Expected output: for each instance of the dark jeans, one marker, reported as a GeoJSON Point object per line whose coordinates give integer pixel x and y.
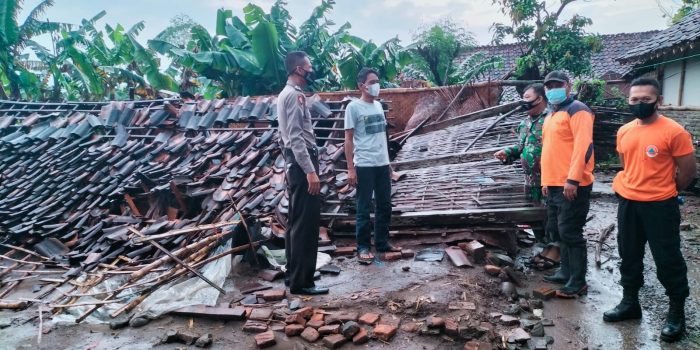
{"type": "Point", "coordinates": [304, 219]}
{"type": "Point", "coordinates": [565, 219]}
{"type": "Point", "coordinates": [659, 224]}
{"type": "Point", "coordinates": [377, 181]}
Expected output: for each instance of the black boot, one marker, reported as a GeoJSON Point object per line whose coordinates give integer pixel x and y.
{"type": "Point", "coordinates": [627, 309]}
{"type": "Point", "coordinates": [578, 265]}
{"type": "Point", "coordinates": [562, 275]}
{"type": "Point", "coordinates": [675, 321]}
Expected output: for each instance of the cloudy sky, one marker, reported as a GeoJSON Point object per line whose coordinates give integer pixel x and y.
{"type": "Point", "coordinates": [376, 20]}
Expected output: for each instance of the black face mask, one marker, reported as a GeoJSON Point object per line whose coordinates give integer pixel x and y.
{"type": "Point", "coordinates": [643, 110]}
{"type": "Point", "coordinates": [528, 105]}
{"type": "Point", "coordinates": [308, 76]}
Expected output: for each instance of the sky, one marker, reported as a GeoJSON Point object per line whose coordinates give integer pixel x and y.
{"type": "Point", "coordinates": [375, 20]}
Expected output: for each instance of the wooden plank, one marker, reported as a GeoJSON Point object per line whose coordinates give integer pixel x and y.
{"type": "Point", "coordinates": [220, 312]}
{"type": "Point", "coordinates": [468, 117]}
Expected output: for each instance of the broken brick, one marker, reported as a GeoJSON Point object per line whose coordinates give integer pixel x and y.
{"type": "Point", "coordinates": [349, 329]}
{"type": "Point", "coordinates": [260, 314]}
{"type": "Point", "coordinates": [330, 329]}
{"type": "Point", "coordinates": [462, 305]}
{"type": "Point", "coordinates": [451, 327]}
{"type": "Point", "coordinates": [410, 327]}
{"type": "Point", "coordinates": [315, 324]}
{"type": "Point", "coordinates": [272, 295]}
{"type": "Point", "coordinates": [384, 332]}
{"type": "Point", "coordinates": [295, 318]}
{"type": "Point", "coordinates": [318, 315]}
{"type": "Point", "coordinates": [408, 253]}
{"type": "Point", "coordinates": [391, 256]}
{"type": "Point", "coordinates": [254, 327]}
{"type": "Point", "coordinates": [435, 322]}
{"type": "Point", "coordinates": [518, 335]}
{"type": "Point", "coordinates": [265, 339]}
{"type": "Point", "coordinates": [492, 270]}
{"type": "Point", "coordinates": [292, 330]}
{"type": "Point", "coordinates": [361, 337]}
{"type": "Point", "coordinates": [310, 335]}
{"type": "Point", "coordinates": [270, 275]}
{"type": "Point", "coordinates": [476, 345]}
{"type": "Point", "coordinates": [334, 341]}
{"type": "Point", "coordinates": [369, 319]}
{"type": "Point", "coordinates": [544, 293]}
{"type": "Point", "coordinates": [509, 320]}
{"type": "Point", "coordinates": [341, 317]}
{"type": "Point", "coordinates": [345, 251]}
{"type": "Point", "coordinates": [306, 312]}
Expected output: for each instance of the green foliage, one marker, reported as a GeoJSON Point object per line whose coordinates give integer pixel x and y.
{"type": "Point", "coordinates": [687, 6]}
{"type": "Point", "coordinates": [436, 48]}
{"type": "Point", "coordinates": [474, 66]}
{"type": "Point", "coordinates": [595, 92]}
{"type": "Point", "coordinates": [553, 43]}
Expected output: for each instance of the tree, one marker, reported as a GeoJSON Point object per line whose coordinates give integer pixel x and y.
{"type": "Point", "coordinates": [685, 7]}
{"type": "Point", "coordinates": [551, 43]}
{"type": "Point", "coordinates": [387, 58]}
{"type": "Point", "coordinates": [14, 37]}
{"type": "Point", "coordinates": [436, 48]}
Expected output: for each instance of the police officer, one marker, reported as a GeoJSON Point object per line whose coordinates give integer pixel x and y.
{"type": "Point", "coordinates": [301, 156]}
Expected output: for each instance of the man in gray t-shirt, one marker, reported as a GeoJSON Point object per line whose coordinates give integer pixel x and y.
{"type": "Point", "coordinates": [367, 155]}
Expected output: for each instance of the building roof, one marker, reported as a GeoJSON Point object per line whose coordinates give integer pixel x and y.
{"type": "Point", "coordinates": [681, 36]}
{"type": "Point", "coordinates": [604, 62]}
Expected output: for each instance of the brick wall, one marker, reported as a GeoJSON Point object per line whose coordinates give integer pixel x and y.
{"type": "Point", "coordinates": [690, 119]}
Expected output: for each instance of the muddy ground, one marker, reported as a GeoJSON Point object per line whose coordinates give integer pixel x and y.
{"type": "Point", "coordinates": [426, 289]}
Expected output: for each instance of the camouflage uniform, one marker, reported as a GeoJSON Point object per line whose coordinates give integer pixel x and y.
{"type": "Point", "coordinates": [529, 151]}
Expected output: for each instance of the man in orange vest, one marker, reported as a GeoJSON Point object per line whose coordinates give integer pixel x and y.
{"type": "Point", "coordinates": [567, 179]}
{"type": "Point", "coordinates": [658, 160]}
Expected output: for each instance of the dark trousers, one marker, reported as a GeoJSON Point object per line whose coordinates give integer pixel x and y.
{"type": "Point", "coordinates": [304, 219]}
{"type": "Point", "coordinates": [377, 181]}
{"type": "Point", "coordinates": [659, 224]}
{"type": "Point", "coordinates": [565, 219]}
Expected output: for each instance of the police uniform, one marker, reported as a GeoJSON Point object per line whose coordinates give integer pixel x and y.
{"type": "Point", "coordinates": [301, 155]}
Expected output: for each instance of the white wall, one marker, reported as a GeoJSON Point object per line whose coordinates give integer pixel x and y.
{"type": "Point", "coordinates": [691, 89]}
{"type": "Point", "coordinates": [672, 83]}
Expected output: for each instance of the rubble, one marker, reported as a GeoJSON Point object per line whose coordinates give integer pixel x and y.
{"type": "Point", "coordinates": [265, 339]}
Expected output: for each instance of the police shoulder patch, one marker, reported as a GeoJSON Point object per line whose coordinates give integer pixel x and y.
{"type": "Point", "coordinates": [301, 100]}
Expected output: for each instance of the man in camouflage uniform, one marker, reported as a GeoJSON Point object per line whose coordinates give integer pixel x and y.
{"type": "Point", "coordinates": [529, 147]}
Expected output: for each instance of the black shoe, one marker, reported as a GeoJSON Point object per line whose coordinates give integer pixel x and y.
{"type": "Point", "coordinates": [627, 309]}
{"type": "Point", "coordinates": [310, 291]}
{"type": "Point", "coordinates": [675, 321]}
{"type": "Point", "coordinates": [559, 277]}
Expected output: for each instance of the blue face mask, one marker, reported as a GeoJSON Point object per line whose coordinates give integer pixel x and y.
{"type": "Point", "coordinates": [556, 96]}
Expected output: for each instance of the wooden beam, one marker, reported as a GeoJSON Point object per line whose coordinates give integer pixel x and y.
{"type": "Point", "coordinates": [488, 112]}
{"type": "Point", "coordinates": [455, 158]}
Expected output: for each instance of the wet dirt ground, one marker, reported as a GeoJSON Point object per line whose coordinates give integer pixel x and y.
{"type": "Point", "coordinates": [426, 289]}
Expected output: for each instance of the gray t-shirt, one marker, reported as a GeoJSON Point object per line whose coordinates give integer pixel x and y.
{"type": "Point", "coordinates": [369, 136]}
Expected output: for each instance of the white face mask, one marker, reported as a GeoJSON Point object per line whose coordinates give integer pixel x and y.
{"type": "Point", "coordinates": [373, 89]}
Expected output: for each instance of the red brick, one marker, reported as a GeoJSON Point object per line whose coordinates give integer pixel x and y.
{"type": "Point", "coordinates": [369, 319]}
{"type": "Point", "coordinates": [254, 326]}
{"type": "Point", "coordinates": [385, 332]}
{"type": "Point", "coordinates": [295, 318]}
{"type": "Point", "coordinates": [270, 275]}
{"type": "Point", "coordinates": [391, 256]}
{"type": "Point", "coordinates": [361, 337]}
{"type": "Point", "coordinates": [340, 317]}
{"type": "Point", "coordinates": [293, 330]}
{"type": "Point", "coordinates": [260, 314]}
{"type": "Point", "coordinates": [334, 341]}
{"type": "Point", "coordinates": [318, 315]}
{"type": "Point", "coordinates": [310, 335]}
{"type": "Point", "coordinates": [265, 339]}
{"type": "Point", "coordinates": [306, 312]}
{"type": "Point", "coordinates": [272, 295]}
{"type": "Point", "coordinates": [544, 293]}
{"type": "Point", "coordinates": [315, 324]}
{"type": "Point", "coordinates": [331, 329]}
{"type": "Point", "coordinates": [492, 270]}
{"type": "Point", "coordinates": [407, 253]}
{"type": "Point", "coordinates": [410, 327]}
{"type": "Point", "coordinates": [345, 251]}
{"type": "Point", "coordinates": [451, 327]}
{"type": "Point", "coordinates": [435, 322]}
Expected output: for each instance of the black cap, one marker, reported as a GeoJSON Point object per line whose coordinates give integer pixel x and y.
{"type": "Point", "coordinates": [556, 75]}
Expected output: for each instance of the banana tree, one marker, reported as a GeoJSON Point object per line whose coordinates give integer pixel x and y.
{"type": "Point", "coordinates": [13, 39]}
{"type": "Point", "coordinates": [387, 58]}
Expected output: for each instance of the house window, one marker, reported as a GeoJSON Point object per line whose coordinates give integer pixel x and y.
{"type": "Point", "coordinates": [681, 83]}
